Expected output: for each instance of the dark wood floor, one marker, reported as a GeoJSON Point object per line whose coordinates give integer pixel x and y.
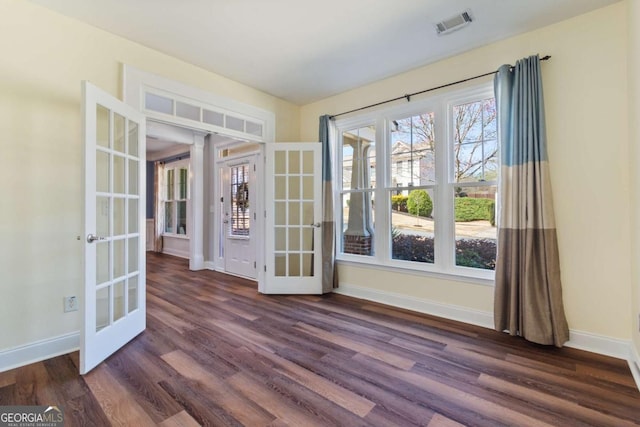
{"type": "Point", "coordinates": [216, 352]}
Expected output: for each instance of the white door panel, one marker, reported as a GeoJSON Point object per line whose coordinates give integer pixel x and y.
{"type": "Point", "coordinates": [239, 218]}
{"type": "Point", "coordinates": [114, 308]}
{"type": "Point", "coordinates": [293, 218]}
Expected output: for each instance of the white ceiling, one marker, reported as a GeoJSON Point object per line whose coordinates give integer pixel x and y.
{"type": "Point", "coordinates": [302, 50]}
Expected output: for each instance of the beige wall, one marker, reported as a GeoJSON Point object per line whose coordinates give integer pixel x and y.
{"type": "Point", "coordinates": [633, 17]}
{"type": "Point", "coordinates": [43, 58]}
{"type": "Point", "coordinates": [585, 86]}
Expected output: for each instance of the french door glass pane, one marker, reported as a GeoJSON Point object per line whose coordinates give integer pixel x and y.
{"type": "Point", "coordinates": [133, 216]}
{"type": "Point", "coordinates": [102, 307]}
{"type": "Point", "coordinates": [133, 255]}
{"type": "Point", "coordinates": [102, 262]}
{"type": "Point", "coordinates": [118, 258]}
{"type": "Point", "coordinates": [118, 300]}
{"type": "Point", "coordinates": [118, 216]}
{"type": "Point", "coordinates": [133, 293]}
{"type": "Point", "coordinates": [133, 139]}
{"type": "Point", "coordinates": [102, 126]}
{"type": "Point", "coordinates": [118, 133]}
{"type": "Point", "coordinates": [102, 216]}
{"type": "Point", "coordinates": [118, 174]}
{"type": "Point", "coordinates": [133, 178]}
{"type": "Point", "coordinates": [102, 172]}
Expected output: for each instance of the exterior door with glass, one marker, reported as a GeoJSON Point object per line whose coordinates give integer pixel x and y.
{"type": "Point", "coordinates": [114, 309]}
{"type": "Point", "coordinates": [293, 219]}
{"type": "Point", "coordinates": [239, 216]}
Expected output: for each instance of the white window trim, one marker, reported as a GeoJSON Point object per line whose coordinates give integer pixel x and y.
{"type": "Point", "coordinates": [176, 165]}
{"type": "Point", "coordinates": [440, 105]}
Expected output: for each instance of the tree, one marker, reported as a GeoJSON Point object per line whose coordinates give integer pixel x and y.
{"type": "Point", "coordinates": [475, 141]}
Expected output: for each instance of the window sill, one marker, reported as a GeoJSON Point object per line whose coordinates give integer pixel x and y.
{"type": "Point", "coordinates": [176, 236]}
{"type": "Point", "coordinates": [458, 276]}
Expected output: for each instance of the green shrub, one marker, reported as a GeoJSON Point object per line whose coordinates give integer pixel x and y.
{"type": "Point", "coordinates": [470, 209]}
{"type": "Point", "coordinates": [492, 213]}
{"type": "Point", "coordinates": [475, 253]}
{"type": "Point", "coordinates": [399, 203]}
{"type": "Point", "coordinates": [419, 203]}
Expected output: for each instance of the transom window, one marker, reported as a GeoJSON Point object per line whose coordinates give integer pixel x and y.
{"type": "Point", "coordinates": [418, 185]}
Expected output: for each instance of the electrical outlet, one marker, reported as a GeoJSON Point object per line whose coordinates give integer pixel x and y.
{"type": "Point", "coordinates": [70, 304]}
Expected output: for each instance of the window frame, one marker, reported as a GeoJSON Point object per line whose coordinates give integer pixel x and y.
{"type": "Point", "coordinates": [441, 105]}
{"type": "Point", "coordinates": [176, 166]}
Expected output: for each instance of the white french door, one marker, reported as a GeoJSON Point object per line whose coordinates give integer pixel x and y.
{"type": "Point", "coordinates": [114, 308]}
{"type": "Point", "coordinates": [293, 219]}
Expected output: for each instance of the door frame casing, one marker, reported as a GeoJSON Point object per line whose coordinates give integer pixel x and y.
{"type": "Point", "coordinates": [255, 188]}
{"type": "Point", "coordinates": [136, 82]}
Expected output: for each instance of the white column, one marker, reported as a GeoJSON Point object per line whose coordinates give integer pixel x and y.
{"type": "Point", "coordinates": [196, 260]}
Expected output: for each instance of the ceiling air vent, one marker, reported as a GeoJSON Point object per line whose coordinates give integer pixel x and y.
{"type": "Point", "coordinates": [454, 23]}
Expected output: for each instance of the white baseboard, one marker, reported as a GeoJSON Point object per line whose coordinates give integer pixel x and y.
{"type": "Point", "coordinates": [600, 344]}
{"type": "Point", "coordinates": [39, 350]}
{"type": "Point", "coordinates": [634, 365]}
{"type": "Point", "coordinates": [613, 347]}
{"type": "Point", "coordinates": [448, 311]}
{"type": "Point", "coordinates": [175, 252]}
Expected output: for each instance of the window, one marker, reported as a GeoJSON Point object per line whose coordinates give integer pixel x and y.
{"type": "Point", "coordinates": [176, 195]}
{"type": "Point", "coordinates": [358, 190]}
{"type": "Point", "coordinates": [240, 224]}
{"type": "Point", "coordinates": [418, 185]}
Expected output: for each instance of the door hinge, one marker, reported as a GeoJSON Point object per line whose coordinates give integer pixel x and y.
{"type": "Point", "coordinates": [221, 199]}
{"type": "Point", "coordinates": [254, 216]}
{"type": "Point", "coordinates": [265, 214]}
{"type": "Point", "coordinates": [254, 167]}
{"type": "Point", "coordinates": [254, 264]}
{"type": "Point", "coordinates": [265, 268]}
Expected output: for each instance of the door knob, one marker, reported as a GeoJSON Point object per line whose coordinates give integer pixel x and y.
{"type": "Point", "coordinates": [92, 238]}
{"type": "Point", "coordinates": [317, 224]}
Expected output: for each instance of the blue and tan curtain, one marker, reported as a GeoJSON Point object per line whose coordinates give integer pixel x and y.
{"type": "Point", "coordinates": [329, 271]}
{"type": "Point", "coordinates": [528, 292]}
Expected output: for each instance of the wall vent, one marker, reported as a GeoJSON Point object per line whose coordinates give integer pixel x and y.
{"type": "Point", "coordinates": [454, 23]}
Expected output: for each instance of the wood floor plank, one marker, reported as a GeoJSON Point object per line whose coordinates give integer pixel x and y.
{"type": "Point", "coordinates": [142, 385]}
{"type": "Point", "coordinates": [442, 421]}
{"type": "Point", "coordinates": [376, 353]}
{"type": "Point", "coordinates": [181, 419]}
{"type": "Point", "coordinates": [576, 411]}
{"type": "Point", "coordinates": [239, 408]}
{"type": "Point", "coordinates": [216, 352]}
{"type": "Point", "coordinates": [114, 399]}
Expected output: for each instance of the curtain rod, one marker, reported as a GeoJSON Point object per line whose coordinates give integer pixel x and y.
{"type": "Point", "coordinates": [409, 95]}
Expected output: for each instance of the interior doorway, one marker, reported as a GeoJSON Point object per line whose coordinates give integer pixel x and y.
{"type": "Point", "coordinates": [169, 224]}
{"type": "Point", "coordinates": [238, 216]}
{"type": "Point", "coordinates": [236, 192]}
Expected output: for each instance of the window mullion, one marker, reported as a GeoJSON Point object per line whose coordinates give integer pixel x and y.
{"type": "Point", "coordinates": [382, 223]}
{"type": "Point", "coordinates": [444, 206]}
